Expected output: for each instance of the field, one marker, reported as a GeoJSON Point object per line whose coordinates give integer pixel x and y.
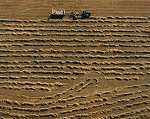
{"type": "Point", "coordinates": [31, 9]}
{"type": "Point", "coordinates": [97, 68]}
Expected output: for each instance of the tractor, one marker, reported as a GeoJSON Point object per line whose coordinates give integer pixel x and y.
{"type": "Point", "coordinates": [82, 15]}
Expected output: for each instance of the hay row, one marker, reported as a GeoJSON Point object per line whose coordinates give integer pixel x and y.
{"type": "Point", "coordinates": [16, 115]}
{"type": "Point", "coordinates": [104, 104]}
{"type": "Point", "coordinates": [76, 40]}
{"type": "Point", "coordinates": [74, 34]}
{"type": "Point", "coordinates": [38, 77]}
{"type": "Point", "coordinates": [74, 89]}
{"type": "Point", "coordinates": [130, 113]}
{"type": "Point", "coordinates": [74, 26]}
{"type": "Point", "coordinates": [42, 72]}
{"type": "Point", "coordinates": [105, 111]}
{"type": "Point", "coordinates": [144, 115]}
{"type": "Point", "coordinates": [103, 94]}
{"type": "Point", "coordinates": [71, 62]}
{"type": "Point", "coordinates": [123, 78]}
{"type": "Point", "coordinates": [77, 69]}
{"type": "Point", "coordinates": [73, 30]}
{"type": "Point", "coordinates": [39, 83]}
{"type": "Point", "coordinates": [29, 88]}
{"type": "Point", "coordinates": [122, 73]}
{"type": "Point", "coordinates": [49, 51]}
{"type": "Point", "coordinates": [75, 56]}
{"type": "Point", "coordinates": [131, 93]}
{"type": "Point", "coordinates": [65, 106]}
{"type": "Point", "coordinates": [80, 103]}
{"type": "Point", "coordinates": [75, 45]}
{"type": "Point", "coordinates": [83, 103]}
{"type": "Point", "coordinates": [101, 20]}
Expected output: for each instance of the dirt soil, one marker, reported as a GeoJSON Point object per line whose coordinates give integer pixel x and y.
{"type": "Point", "coordinates": [82, 69]}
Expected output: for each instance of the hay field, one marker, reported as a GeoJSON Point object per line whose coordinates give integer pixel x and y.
{"type": "Point", "coordinates": [75, 69]}
{"type": "Point", "coordinates": [82, 69]}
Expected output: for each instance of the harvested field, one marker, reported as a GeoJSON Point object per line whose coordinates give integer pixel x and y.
{"type": "Point", "coordinates": [31, 9]}
{"type": "Point", "coordinates": [86, 70]}
{"type": "Point", "coordinates": [91, 69]}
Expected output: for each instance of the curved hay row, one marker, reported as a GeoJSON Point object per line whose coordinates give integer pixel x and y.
{"type": "Point", "coordinates": [122, 107]}
{"type": "Point", "coordinates": [42, 104]}
{"type": "Point", "coordinates": [103, 112]}
{"type": "Point", "coordinates": [82, 103]}
{"type": "Point", "coordinates": [72, 91]}
{"type": "Point", "coordinates": [34, 110]}
{"type": "Point", "coordinates": [61, 107]}
{"type": "Point", "coordinates": [131, 113]}
{"type": "Point", "coordinates": [74, 88]}
{"type": "Point", "coordinates": [67, 92]}
{"type": "Point", "coordinates": [118, 90]}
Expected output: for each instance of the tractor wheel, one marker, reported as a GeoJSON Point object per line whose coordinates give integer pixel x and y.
{"type": "Point", "coordinates": [72, 17]}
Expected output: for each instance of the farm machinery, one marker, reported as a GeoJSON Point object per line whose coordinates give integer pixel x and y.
{"type": "Point", "coordinates": [81, 15]}
{"type": "Point", "coordinates": [59, 14]}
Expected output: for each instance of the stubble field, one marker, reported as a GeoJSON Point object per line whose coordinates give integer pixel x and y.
{"type": "Point", "coordinates": [97, 68]}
